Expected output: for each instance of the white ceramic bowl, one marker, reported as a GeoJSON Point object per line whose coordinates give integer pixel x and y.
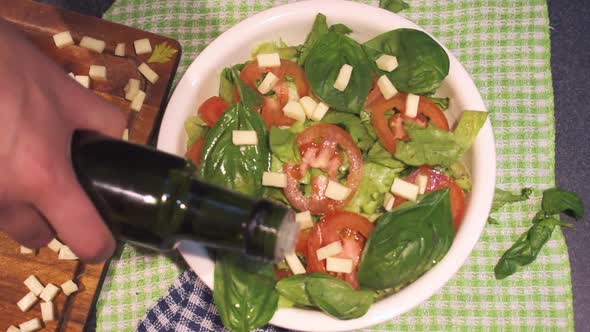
{"type": "Point", "coordinates": [292, 23]}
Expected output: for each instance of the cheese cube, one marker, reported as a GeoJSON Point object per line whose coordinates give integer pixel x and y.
{"type": "Point", "coordinates": [65, 253]}
{"type": "Point", "coordinates": [27, 302]}
{"type": "Point", "coordinates": [304, 220]}
{"type": "Point", "coordinates": [137, 101]}
{"type": "Point", "coordinates": [319, 111]}
{"type": "Point", "coordinates": [148, 73]}
{"type": "Point", "coordinates": [386, 62]}
{"type": "Point", "coordinates": [294, 111]}
{"type": "Point", "coordinates": [269, 81]}
{"type": "Point", "coordinates": [26, 251]}
{"type": "Point", "coordinates": [405, 189]}
{"type": "Point", "coordinates": [293, 94]}
{"type": "Point", "coordinates": [422, 181]}
{"type": "Point", "coordinates": [55, 245]}
{"type": "Point", "coordinates": [97, 72]}
{"type": "Point", "coordinates": [120, 49]}
{"type": "Point", "coordinates": [272, 179]}
{"type": "Point", "coordinates": [343, 77]}
{"type": "Point", "coordinates": [131, 89]}
{"type": "Point", "coordinates": [69, 287]}
{"type": "Point", "coordinates": [341, 265]}
{"type": "Point", "coordinates": [49, 292]}
{"type": "Point", "coordinates": [90, 43]}
{"type": "Point", "coordinates": [142, 46]}
{"type": "Point", "coordinates": [386, 87]}
{"type": "Point", "coordinates": [330, 250]}
{"type": "Point", "coordinates": [34, 285]}
{"type": "Point", "coordinates": [308, 105]}
{"type": "Point", "coordinates": [70, 74]}
{"type": "Point", "coordinates": [412, 105]}
{"type": "Point", "coordinates": [125, 135]}
{"type": "Point", "coordinates": [294, 263]}
{"type": "Point", "coordinates": [244, 137]}
{"type": "Point", "coordinates": [12, 328]}
{"type": "Point", "coordinates": [388, 202]}
{"type": "Point", "coordinates": [336, 191]}
{"type": "Point", "coordinates": [83, 80]}
{"type": "Point", "coordinates": [31, 325]}
{"type": "Point", "coordinates": [63, 39]}
{"type": "Point", "coordinates": [47, 311]}
{"type": "Point", "coordinates": [268, 60]}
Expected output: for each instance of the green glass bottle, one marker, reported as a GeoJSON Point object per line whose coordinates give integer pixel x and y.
{"type": "Point", "coordinates": [154, 199]}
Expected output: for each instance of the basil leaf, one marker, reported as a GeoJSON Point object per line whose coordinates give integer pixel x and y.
{"type": "Point", "coordinates": [407, 242]}
{"type": "Point", "coordinates": [352, 124]}
{"type": "Point", "coordinates": [556, 200]}
{"type": "Point", "coordinates": [394, 6]}
{"type": "Point", "coordinates": [319, 28]}
{"type": "Point", "coordinates": [375, 182]}
{"type": "Point", "coordinates": [469, 125]}
{"type": "Point", "coordinates": [195, 128]}
{"type": "Point", "coordinates": [378, 155]}
{"type": "Point", "coordinates": [525, 250]}
{"type": "Point", "coordinates": [340, 28]}
{"type": "Point", "coordinates": [323, 64]}
{"type": "Point", "coordinates": [423, 63]}
{"type": "Point", "coordinates": [503, 197]}
{"type": "Point", "coordinates": [285, 51]}
{"type": "Point", "coordinates": [337, 298]}
{"type": "Point", "coordinates": [283, 145]}
{"type": "Point", "coordinates": [249, 97]}
{"type": "Point", "coordinates": [427, 146]}
{"type": "Point", "coordinates": [243, 292]}
{"type": "Point", "coordinates": [443, 103]}
{"type": "Point", "coordinates": [236, 167]}
{"type": "Point", "coordinates": [226, 85]}
{"type": "Point", "coordinates": [332, 295]}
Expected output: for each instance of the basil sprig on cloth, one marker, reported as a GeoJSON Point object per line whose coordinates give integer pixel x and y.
{"type": "Point", "coordinates": [525, 250]}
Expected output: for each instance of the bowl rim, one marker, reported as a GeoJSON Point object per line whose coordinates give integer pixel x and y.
{"type": "Point", "coordinates": [484, 168]}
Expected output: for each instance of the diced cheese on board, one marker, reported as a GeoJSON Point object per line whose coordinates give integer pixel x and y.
{"type": "Point", "coordinates": [137, 101]}
{"type": "Point", "coordinates": [27, 302]}
{"type": "Point", "coordinates": [63, 39]}
{"type": "Point", "coordinates": [131, 89]}
{"type": "Point", "coordinates": [31, 325]}
{"type": "Point", "coordinates": [12, 328]}
{"type": "Point", "coordinates": [120, 49]}
{"type": "Point", "coordinates": [90, 43]}
{"type": "Point", "coordinates": [142, 46]}
{"type": "Point", "coordinates": [83, 80]}
{"type": "Point", "coordinates": [55, 245]}
{"type": "Point", "coordinates": [69, 287]}
{"type": "Point", "coordinates": [98, 72]}
{"type": "Point", "coordinates": [47, 311]}
{"type": "Point", "coordinates": [65, 253]}
{"type": "Point", "coordinates": [148, 73]}
{"type": "Point", "coordinates": [49, 292]}
{"type": "Point", "coordinates": [26, 251]}
{"type": "Point", "coordinates": [34, 285]}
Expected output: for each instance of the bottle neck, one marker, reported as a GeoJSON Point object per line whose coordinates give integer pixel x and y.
{"type": "Point", "coordinates": [154, 199]}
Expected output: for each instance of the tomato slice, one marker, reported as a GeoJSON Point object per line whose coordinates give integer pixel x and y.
{"type": "Point", "coordinates": [317, 144]}
{"type": "Point", "coordinates": [438, 180]}
{"type": "Point", "coordinates": [391, 131]}
{"type": "Point", "coordinates": [301, 246]}
{"type": "Point", "coordinates": [211, 110]}
{"type": "Point", "coordinates": [351, 229]}
{"type": "Point", "coordinates": [272, 109]}
{"type": "Point", "coordinates": [194, 153]}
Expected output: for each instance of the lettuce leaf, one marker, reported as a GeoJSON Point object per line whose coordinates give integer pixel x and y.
{"type": "Point", "coordinates": [376, 181]}
{"type": "Point", "coordinates": [195, 128]}
{"type": "Point", "coordinates": [285, 51]}
{"type": "Point", "coordinates": [353, 125]}
{"type": "Point", "coordinates": [283, 145]}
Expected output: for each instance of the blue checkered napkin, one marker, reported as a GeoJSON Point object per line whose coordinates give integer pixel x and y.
{"type": "Point", "coordinates": [187, 306]}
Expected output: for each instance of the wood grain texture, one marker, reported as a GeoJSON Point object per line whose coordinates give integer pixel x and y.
{"type": "Point", "coordinates": [39, 23]}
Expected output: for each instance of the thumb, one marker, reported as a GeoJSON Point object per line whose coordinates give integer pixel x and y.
{"type": "Point", "coordinates": [75, 219]}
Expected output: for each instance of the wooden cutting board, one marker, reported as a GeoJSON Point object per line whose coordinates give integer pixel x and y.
{"type": "Point", "coordinates": [39, 23]}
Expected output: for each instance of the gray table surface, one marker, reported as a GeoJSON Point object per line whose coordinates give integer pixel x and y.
{"type": "Point", "coordinates": [570, 66]}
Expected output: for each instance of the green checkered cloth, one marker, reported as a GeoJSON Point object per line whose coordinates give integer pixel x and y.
{"type": "Point", "coordinates": [504, 44]}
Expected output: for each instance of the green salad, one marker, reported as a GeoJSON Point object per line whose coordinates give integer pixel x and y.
{"type": "Point", "coordinates": [350, 136]}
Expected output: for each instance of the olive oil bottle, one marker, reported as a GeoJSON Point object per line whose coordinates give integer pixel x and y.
{"type": "Point", "coordinates": [154, 199]}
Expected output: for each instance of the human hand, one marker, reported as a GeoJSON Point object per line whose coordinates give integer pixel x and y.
{"type": "Point", "coordinates": [40, 107]}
